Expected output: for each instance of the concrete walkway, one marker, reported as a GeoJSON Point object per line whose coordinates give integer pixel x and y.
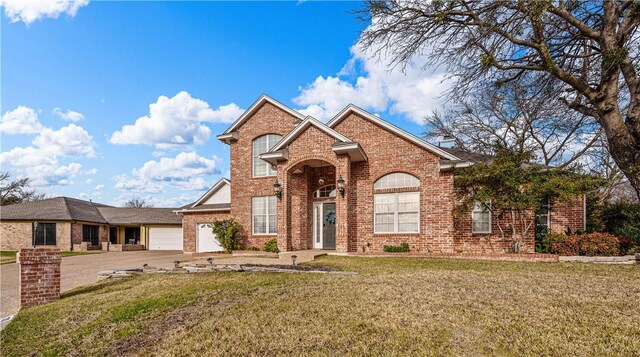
{"type": "Point", "coordinates": [284, 258]}
{"type": "Point", "coordinates": [82, 270]}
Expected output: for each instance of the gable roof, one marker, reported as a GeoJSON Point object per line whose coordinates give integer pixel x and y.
{"type": "Point", "coordinates": [252, 109]}
{"type": "Point", "coordinates": [73, 209]}
{"type": "Point", "coordinates": [55, 209]}
{"type": "Point", "coordinates": [300, 128]}
{"type": "Point", "coordinates": [223, 181]}
{"type": "Point", "coordinates": [392, 128]}
{"type": "Point", "coordinates": [126, 215]}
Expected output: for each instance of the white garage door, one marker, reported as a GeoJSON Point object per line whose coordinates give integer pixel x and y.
{"type": "Point", "coordinates": [165, 238]}
{"type": "Point", "coordinates": [206, 241]}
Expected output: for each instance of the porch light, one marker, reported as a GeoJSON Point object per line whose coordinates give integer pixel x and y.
{"type": "Point", "coordinates": [277, 189]}
{"type": "Point", "coordinates": [341, 186]}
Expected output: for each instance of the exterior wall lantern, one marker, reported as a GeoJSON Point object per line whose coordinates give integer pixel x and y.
{"type": "Point", "coordinates": [341, 186]}
{"type": "Point", "coordinates": [277, 189]}
{"type": "Point", "coordinates": [33, 235]}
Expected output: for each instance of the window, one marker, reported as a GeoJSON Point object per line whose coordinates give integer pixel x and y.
{"type": "Point", "coordinates": [265, 215]}
{"type": "Point", "coordinates": [397, 212]}
{"type": "Point", "coordinates": [481, 218]}
{"type": "Point", "coordinates": [132, 235]}
{"type": "Point", "coordinates": [396, 180]}
{"type": "Point", "coordinates": [45, 234]}
{"type": "Point", "coordinates": [325, 192]}
{"type": "Point", "coordinates": [113, 235]}
{"type": "Point", "coordinates": [90, 234]}
{"type": "Point", "coordinates": [261, 145]}
{"type": "Point", "coordinates": [543, 216]}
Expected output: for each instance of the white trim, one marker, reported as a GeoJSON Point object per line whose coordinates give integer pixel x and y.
{"type": "Point", "coordinates": [203, 210]}
{"type": "Point", "coordinates": [396, 219]}
{"type": "Point", "coordinates": [354, 150]}
{"type": "Point", "coordinates": [319, 206]}
{"type": "Point", "coordinates": [227, 138]}
{"type": "Point", "coordinates": [390, 127]}
{"type": "Point", "coordinates": [268, 213]}
{"type": "Point", "coordinates": [253, 167]}
{"type": "Point", "coordinates": [255, 106]}
{"type": "Point", "coordinates": [462, 164]}
{"type": "Point", "coordinates": [490, 221]}
{"type": "Point", "coordinates": [211, 191]}
{"type": "Point", "coordinates": [309, 120]}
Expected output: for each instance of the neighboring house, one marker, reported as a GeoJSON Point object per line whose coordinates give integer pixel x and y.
{"type": "Point", "coordinates": [72, 224]}
{"type": "Point", "coordinates": [356, 183]}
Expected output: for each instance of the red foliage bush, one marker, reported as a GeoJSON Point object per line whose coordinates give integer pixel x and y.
{"type": "Point", "coordinates": [592, 244]}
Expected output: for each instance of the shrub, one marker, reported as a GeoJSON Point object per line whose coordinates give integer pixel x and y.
{"type": "Point", "coordinates": [404, 247]}
{"type": "Point", "coordinates": [595, 244]}
{"type": "Point", "coordinates": [592, 244]}
{"type": "Point", "coordinates": [271, 246]}
{"type": "Point", "coordinates": [227, 233]}
{"type": "Point", "coordinates": [253, 249]}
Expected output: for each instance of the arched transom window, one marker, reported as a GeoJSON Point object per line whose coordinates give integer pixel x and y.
{"type": "Point", "coordinates": [261, 145]}
{"type": "Point", "coordinates": [397, 180]}
{"type": "Point", "coordinates": [397, 212]}
{"type": "Point", "coordinates": [325, 192]}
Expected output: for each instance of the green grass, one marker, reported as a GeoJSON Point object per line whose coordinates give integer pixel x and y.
{"type": "Point", "coordinates": [9, 256]}
{"type": "Point", "coordinates": [394, 306]}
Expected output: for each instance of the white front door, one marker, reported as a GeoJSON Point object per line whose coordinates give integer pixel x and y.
{"type": "Point", "coordinates": [205, 239]}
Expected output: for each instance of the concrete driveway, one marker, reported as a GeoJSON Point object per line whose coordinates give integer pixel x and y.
{"type": "Point", "coordinates": [82, 270]}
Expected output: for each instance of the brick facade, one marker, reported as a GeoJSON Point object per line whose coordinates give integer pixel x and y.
{"type": "Point", "coordinates": [268, 119]}
{"type": "Point", "coordinates": [311, 153]}
{"type": "Point", "coordinates": [39, 276]}
{"type": "Point", "coordinates": [189, 230]}
{"type": "Point", "coordinates": [77, 233]}
{"type": "Point", "coordinates": [16, 235]}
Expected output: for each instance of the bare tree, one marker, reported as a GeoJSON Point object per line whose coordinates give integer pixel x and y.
{"type": "Point", "coordinates": [514, 117]}
{"type": "Point", "coordinates": [588, 50]}
{"type": "Point", "coordinates": [16, 191]}
{"type": "Point", "coordinates": [138, 202]}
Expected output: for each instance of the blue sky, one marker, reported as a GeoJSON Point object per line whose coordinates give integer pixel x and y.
{"type": "Point", "coordinates": [78, 80]}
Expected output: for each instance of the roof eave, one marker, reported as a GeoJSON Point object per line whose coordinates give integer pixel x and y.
{"type": "Point", "coordinates": [353, 149]}
{"type": "Point", "coordinates": [255, 106]}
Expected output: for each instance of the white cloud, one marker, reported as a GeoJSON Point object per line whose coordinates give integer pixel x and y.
{"type": "Point", "coordinates": [173, 201]}
{"type": "Point", "coordinates": [40, 162]}
{"type": "Point", "coordinates": [184, 172]}
{"type": "Point", "coordinates": [68, 115]}
{"type": "Point", "coordinates": [99, 187]}
{"type": "Point", "coordinates": [70, 140]}
{"type": "Point", "coordinates": [29, 11]}
{"type": "Point", "coordinates": [175, 123]}
{"type": "Point", "coordinates": [22, 120]}
{"type": "Point", "coordinates": [89, 181]}
{"type": "Point", "coordinates": [413, 93]}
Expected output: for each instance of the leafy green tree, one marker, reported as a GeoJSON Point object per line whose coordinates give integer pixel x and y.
{"type": "Point", "coordinates": [512, 189]}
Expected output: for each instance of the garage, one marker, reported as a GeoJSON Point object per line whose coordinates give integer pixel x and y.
{"type": "Point", "coordinates": [165, 238]}
{"type": "Point", "coordinates": [205, 239]}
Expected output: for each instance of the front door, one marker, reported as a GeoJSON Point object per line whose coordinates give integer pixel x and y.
{"type": "Point", "coordinates": [324, 225]}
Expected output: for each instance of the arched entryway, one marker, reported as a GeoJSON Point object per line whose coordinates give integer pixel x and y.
{"type": "Point", "coordinates": [309, 210]}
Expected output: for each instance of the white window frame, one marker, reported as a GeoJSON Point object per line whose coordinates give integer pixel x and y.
{"type": "Point", "coordinates": [267, 214]}
{"type": "Point", "coordinates": [272, 140]}
{"type": "Point", "coordinates": [407, 181]}
{"type": "Point", "coordinates": [322, 190]}
{"type": "Point", "coordinates": [396, 220]}
{"type": "Point", "coordinates": [476, 210]}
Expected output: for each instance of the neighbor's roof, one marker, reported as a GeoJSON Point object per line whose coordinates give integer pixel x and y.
{"type": "Point", "coordinates": [55, 209]}
{"type": "Point", "coordinates": [72, 209]}
{"type": "Point", "coordinates": [125, 215]}
{"type": "Point", "coordinates": [213, 207]}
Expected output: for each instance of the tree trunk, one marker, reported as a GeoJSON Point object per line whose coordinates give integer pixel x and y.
{"type": "Point", "coordinates": [624, 147]}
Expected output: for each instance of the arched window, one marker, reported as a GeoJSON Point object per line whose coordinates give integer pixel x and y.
{"type": "Point", "coordinates": [325, 192]}
{"type": "Point", "coordinates": [261, 145]}
{"type": "Point", "coordinates": [397, 212]}
{"type": "Point", "coordinates": [397, 180]}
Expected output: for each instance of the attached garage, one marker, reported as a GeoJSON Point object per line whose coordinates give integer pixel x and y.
{"type": "Point", "coordinates": [165, 238]}
{"type": "Point", "coordinates": [206, 241]}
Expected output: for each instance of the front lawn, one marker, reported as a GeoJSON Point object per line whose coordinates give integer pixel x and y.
{"type": "Point", "coordinates": [398, 306]}
{"type": "Point", "coordinates": [9, 256]}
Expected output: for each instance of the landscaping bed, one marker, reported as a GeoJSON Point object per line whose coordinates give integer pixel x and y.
{"type": "Point", "coordinates": [393, 306]}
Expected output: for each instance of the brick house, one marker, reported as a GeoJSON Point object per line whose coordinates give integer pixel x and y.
{"type": "Point", "coordinates": [71, 224]}
{"type": "Point", "coordinates": [353, 184]}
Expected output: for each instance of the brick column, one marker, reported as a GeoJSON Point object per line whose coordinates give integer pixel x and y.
{"type": "Point", "coordinates": [39, 276]}
{"type": "Point", "coordinates": [342, 207]}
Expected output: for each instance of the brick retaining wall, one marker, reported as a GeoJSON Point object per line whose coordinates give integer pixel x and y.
{"type": "Point", "coordinates": [471, 256]}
